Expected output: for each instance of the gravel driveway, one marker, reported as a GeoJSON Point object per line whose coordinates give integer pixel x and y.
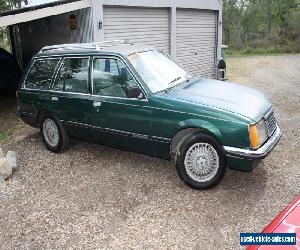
{"type": "Point", "coordinates": [96, 197]}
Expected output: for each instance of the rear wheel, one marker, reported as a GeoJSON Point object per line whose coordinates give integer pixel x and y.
{"type": "Point", "coordinates": [53, 133]}
{"type": "Point", "coordinates": [201, 163]}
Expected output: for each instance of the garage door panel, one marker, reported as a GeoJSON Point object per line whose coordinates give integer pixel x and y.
{"type": "Point", "coordinates": [138, 34]}
{"type": "Point", "coordinates": [138, 40]}
{"type": "Point", "coordinates": [196, 41]}
{"type": "Point", "coordinates": [139, 29]}
{"type": "Point", "coordinates": [148, 26]}
{"type": "Point", "coordinates": [202, 60]}
{"type": "Point", "coordinates": [146, 19]}
{"type": "Point", "coordinates": [195, 21]}
{"type": "Point", "coordinates": [207, 44]}
{"type": "Point", "coordinates": [209, 49]}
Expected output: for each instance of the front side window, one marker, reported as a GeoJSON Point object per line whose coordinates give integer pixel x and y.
{"type": "Point", "coordinates": [112, 78]}
{"type": "Point", "coordinates": [40, 74]}
{"type": "Point", "coordinates": [73, 76]}
{"type": "Point", "coordinates": [157, 70]}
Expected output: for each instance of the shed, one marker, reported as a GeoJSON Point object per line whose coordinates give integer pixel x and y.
{"type": "Point", "coordinates": [190, 30]}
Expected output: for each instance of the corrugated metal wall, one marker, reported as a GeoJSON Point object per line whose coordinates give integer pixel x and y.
{"type": "Point", "coordinates": [150, 26]}
{"type": "Point", "coordinates": [54, 30]}
{"type": "Point", "coordinates": [196, 41]}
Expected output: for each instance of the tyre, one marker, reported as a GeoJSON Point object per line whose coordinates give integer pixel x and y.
{"type": "Point", "coordinates": [53, 133]}
{"type": "Point", "coordinates": [201, 163]}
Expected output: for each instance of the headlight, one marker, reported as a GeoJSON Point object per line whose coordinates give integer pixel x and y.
{"type": "Point", "coordinates": [258, 133]}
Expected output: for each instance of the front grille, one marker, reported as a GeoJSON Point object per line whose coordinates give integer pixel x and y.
{"type": "Point", "coordinates": [271, 123]}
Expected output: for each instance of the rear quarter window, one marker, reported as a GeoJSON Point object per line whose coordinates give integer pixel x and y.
{"type": "Point", "coordinates": [40, 74]}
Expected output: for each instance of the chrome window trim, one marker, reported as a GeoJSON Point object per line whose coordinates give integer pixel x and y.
{"type": "Point", "coordinates": [129, 70]}
{"type": "Point", "coordinates": [23, 86]}
{"type": "Point", "coordinates": [119, 98]}
{"type": "Point", "coordinates": [43, 90]}
{"type": "Point", "coordinates": [87, 54]}
{"type": "Point", "coordinates": [73, 93]}
{"type": "Point", "coordinates": [56, 73]}
{"type": "Point", "coordinates": [63, 58]}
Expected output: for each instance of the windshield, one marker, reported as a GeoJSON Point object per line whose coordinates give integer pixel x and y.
{"type": "Point", "coordinates": [158, 71]}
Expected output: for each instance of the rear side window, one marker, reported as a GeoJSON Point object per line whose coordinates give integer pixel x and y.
{"type": "Point", "coordinates": [73, 76]}
{"type": "Point", "coordinates": [40, 74]}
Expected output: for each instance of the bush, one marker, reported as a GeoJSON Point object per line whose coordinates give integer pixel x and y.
{"type": "Point", "coordinates": [277, 49]}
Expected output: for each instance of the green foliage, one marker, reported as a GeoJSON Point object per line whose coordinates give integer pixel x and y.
{"type": "Point", "coordinates": [4, 39]}
{"type": "Point", "coordinates": [12, 4]}
{"type": "Point", "coordinates": [6, 5]}
{"type": "Point", "coordinates": [255, 25]}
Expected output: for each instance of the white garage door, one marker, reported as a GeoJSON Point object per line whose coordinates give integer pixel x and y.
{"type": "Point", "coordinates": [148, 26]}
{"type": "Point", "coordinates": [196, 41]}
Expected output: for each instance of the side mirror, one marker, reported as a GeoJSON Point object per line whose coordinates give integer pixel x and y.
{"type": "Point", "coordinates": [135, 93]}
{"type": "Point", "coordinates": [141, 96]}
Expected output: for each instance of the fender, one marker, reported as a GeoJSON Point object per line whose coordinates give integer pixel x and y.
{"type": "Point", "coordinates": [200, 124]}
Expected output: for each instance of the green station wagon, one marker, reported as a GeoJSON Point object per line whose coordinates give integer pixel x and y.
{"type": "Point", "coordinates": [138, 99]}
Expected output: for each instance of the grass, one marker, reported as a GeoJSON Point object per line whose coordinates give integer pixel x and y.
{"type": "Point", "coordinates": [5, 135]}
{"type": "Point", "coordinates": [9, 122]}
{"type": "Point", "coordinates": [274, 50]}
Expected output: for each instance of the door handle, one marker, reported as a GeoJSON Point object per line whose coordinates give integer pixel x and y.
{"type": "Point", "coordinates": [54, 98]}
{"type": "Point", "coordinates": [97, 104]}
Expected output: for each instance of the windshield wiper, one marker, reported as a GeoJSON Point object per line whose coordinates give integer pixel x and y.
{"type": "Point", "coordinates": [175, 80]}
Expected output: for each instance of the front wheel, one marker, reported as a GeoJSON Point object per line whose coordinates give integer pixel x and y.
{"type": "Point", "coordinates": [201, 163]}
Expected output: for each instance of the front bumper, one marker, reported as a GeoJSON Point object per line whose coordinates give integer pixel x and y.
{"type": "Point", "coordinates": [260, 153]}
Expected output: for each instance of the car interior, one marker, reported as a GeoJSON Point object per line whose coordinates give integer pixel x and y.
{"type": "Point", "coordinates": [111, 78]}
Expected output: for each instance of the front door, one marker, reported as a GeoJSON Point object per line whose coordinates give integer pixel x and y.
{"type": "Point", "coordinates": [121, 113]}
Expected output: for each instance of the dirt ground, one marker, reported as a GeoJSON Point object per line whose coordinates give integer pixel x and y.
{"type": "Point", "coordinates": [96, 197]}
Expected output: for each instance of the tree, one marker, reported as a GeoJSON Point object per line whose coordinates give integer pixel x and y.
{"type": "Point", "coordinates": [4, 6]}
{"type": "Point", "coordinates": [12, 4]}
{"type": "Point", "coordinates": [260, 23]}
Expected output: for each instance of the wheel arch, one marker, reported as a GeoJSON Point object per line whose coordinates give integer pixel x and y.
{"type": "Point", "coordinates": [43, 112]}
{"type": "Point", "coordinates": [188, 127]}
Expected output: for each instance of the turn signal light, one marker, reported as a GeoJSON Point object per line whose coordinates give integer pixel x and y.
{"type": "Point", "coordinates": [254, 136]}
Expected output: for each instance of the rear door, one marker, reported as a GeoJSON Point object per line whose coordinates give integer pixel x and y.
{"type": "Point", "coordinates": [70, 95]}
{"type": "Point", "coordinates": [34, 92]}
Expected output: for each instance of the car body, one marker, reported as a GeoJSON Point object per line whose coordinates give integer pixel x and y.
{"type": "Point", "coordinates": [287, 221]}
{"type": "Point", "coordinates": [157, 110]}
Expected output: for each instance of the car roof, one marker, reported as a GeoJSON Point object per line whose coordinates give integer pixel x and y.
{"type": "Point", "coordinates": [125, 49]}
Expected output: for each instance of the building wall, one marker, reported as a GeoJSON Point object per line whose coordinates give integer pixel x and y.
{"type": "Point", "coordinates": [195, 43]}
{"type": "Point", "coordinates": [215, 5]}
{"type": "Point", "coordinates": [55, 30]}
{"type": "Point", "coordinates": [51, 25]}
